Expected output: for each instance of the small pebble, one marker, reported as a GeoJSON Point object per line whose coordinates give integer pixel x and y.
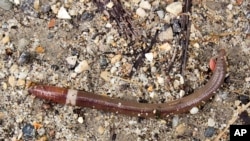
{"type": "Point", "coordinates": [194, 110]}
{"type": "Point", "coordinates": [110, 4]}
{"type": "Point", "coordinates": [149, 56]}
{"type": "Point", "coordinates": [100, 130]}
{"type": "Point", "coordinates": [166, 35]}
{"type": "Point", "coordinates": [28, 132]}
{"type": "Point", "coordinates": [180, 129]}
{"type": "Point", "coordinates": [41, 131]}
{"type": "Point", "coordinates": [21, 82]}
{"type": "Point", "coordinates": [24, 58]}
{"type": "Point", "coordinates": [5, 4]}
{"type": "Point", "coordinates": [247, 79]}
{"type": "Point", "coordinates": [63, 14]}
{"type": "Point", "coordinates": [80, 120]}
{"type": "Point", "coordinates": [145, 5]}
{"type": "Point", "coordinates": [160, 80]}
{"type": "Point", "coordinates": [116, 58]}
{"type": "Point", "coordinates": [175, 121]}
{"type": "Point", "coordinates": [71, 60]}
{"type": "Point", "coordinates": [36, 5]}
{"type": "Point", "coordinates": [160, 14]}
{"type": "Point", "coordinates": [211, 122]}
{"type": "Point", "coordinates": [209, 132]}
{"type": "Point", "coordinates": [174, 8]}
{"type": "Point", "coordinates": [40, 49]}
{"type": "Point", "coordinates": [6, 39]}
{"type": "Point", "coordinates": [51, 23]}
{"type": "Point", "coordinates": [82, 66]}
{"type": "Point", "coordinates": [141, 12]}
{"type": "Point", "coordinates": [105, 75]}
{"type": "Point", "coordinates": [12, 81]}
{"type": "Point", "coordinates": [22, 43]}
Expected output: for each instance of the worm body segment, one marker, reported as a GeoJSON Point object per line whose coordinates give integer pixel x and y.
{"type": "Point", "coordinates": [133, 108]}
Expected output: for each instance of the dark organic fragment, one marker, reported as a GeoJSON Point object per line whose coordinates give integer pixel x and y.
{"type": "Point", "coordinates": [119, 14]}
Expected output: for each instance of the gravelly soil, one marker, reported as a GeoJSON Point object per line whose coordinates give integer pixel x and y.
{"type": "Point", "coordinates": [36, 53]}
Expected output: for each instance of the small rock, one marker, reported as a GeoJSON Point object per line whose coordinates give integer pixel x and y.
{"type": "Point", "coordinates": [141, 12]}
{"type": "Point", "coordinates": [149, 56]}
{"type": "Point", "coordinates": [6, 39]}
{"type": "Point", "coordinates": [160, 14]}
{"type": "Point", "coordinates": [247, 79]}
{"type": "Point", "coordinates": [194, 110]}
{"type": "Point", "coordinates": [71, 60]}
{"type": "Point", "coordinates": [180, 130]}
{"type": "Point", "coordinates": [36, 5]}
{"type": "Point", "coordinates": [105, 75]}
{"type": "Point", "coordinates": [24, 58]}
{"type": "Point", "coordinates": [108, 25]}
{"type": "Point", "coordinates": [63, 14]}
{"type": "Point", "coordinates": [4, 85]}
{"type": "Point", "coordinates": [80, 120]}
{"type": "Point", "coordinates": [100, 130]}
{"type": "Point", "coordinates": [210, 122]}
{"type": "Point", "coordinates": [21, 82]}
{"type": "Point", "coordinates": [110, 5]}
{"type": "Point", "coordinates": [5, 4]}
{"type": "Point", "coordinates": [51, 23]}
{"type": "Point", "coordinates": [28, 132]}
{"type": "Point", "coordinates": [160, 80]}
{"type": "Point", "coordinates": [12, 81]}
{"type": "Point", "coordinates": [145, 5]}
{"type": "Point", "coordinates": [209, 132]}
{"type": "Point", "coordinates": [175, 121]}
{"type": "Point", "coordinates": [116, 58]}
{"type": "Point", "coordinates": [174, 8]}
{"type": "Point", "coordinates": [41, 131]}
{"type": "Point", "coordinates": [39, 49]}
{"type": "Point", "coordinates": [22, 43]}
{"type": "Point", "coordinates": [82, 66]}
{"type": "Point", "coordinates": [166, 35]}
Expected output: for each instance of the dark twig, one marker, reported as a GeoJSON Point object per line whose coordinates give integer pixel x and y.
{"type": "Point", "coordinates": [120, 15]}
{"type": "Point", "coordinates": [185, 25]}
{"type": "Point", "coordinates": [140, 57]}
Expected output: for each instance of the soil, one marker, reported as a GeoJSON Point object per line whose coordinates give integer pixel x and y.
{"type": "Point", "coordinates": [34, 49]}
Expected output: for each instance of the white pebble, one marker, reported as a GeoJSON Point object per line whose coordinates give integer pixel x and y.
{"type": "Point", "coordinates": [149, 56]}
{"type": "Point", "coordinates": [211, 122]}
{"type": "Point", "coordinates": [108, 25]}
{"type": "Point", "coordinates": [175, 121]}
{"type": "Point", "coordinates": [247, 79]}
{"type": "Point", "coordinates": [63, 14]}
{"type": "Point", "coordinates": [194, 110]}
{"type": "Point", "coordinates": [160, 14]}
{"type": "Point", "coordinates": [160, 80]}
{"type": "Point", "coordinates": [182, 93]}
{"type": "Point", "coordinates": [174, 8]}
{"type": "Point", "coordinates": [71, 60]}
{"type": "Point", "coordinates": [80, 120]}
{"type": "Point", "coordinates": [110, 5]}
{"type": "Point", "coordinates": [141, 12]}
{"type": "Point", "coordinates": [113, 70]}
{"type": "Point", "coordinates": [145, 5]}
{"type": "Point", "coordinates": [166, 35]}
{"type": "Point", "coordinates": [83, 66]}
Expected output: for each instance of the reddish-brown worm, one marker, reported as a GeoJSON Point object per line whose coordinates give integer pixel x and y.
{"type": "Point", "coordinates": [133, 108]}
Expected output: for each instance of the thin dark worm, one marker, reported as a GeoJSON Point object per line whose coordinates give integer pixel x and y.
{"type": "Point", "coordinates": [133, 108]}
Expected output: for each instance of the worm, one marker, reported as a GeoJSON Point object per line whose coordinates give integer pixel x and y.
{"type": "Point", "coordinates": [133, 108]}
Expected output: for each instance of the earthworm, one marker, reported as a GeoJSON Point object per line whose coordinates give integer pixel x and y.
{"type": "Point", "coordinates": [133, 108]}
